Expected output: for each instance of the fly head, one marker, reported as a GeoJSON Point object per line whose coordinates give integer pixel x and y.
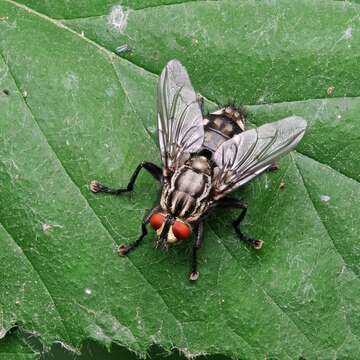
{"type": "Point", "coordinates": [170, 229]}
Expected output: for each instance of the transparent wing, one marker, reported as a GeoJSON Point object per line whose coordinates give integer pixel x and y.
{"type": "Point", "coordinates": [180, 126]}
{"type": "Point", "coordinates": [248, 154]}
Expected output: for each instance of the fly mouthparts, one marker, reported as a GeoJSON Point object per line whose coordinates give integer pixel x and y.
{"type": "Point", "coordinates": [162, 244]}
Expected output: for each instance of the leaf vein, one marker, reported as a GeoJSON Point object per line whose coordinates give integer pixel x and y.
{"type": "Point", "coordinates": [267, 294]}
{"type": "Point", "coordinates": [330, 167]}
{"type": "Point", "coordinates": [28, 259]}
{"type": "Point", "coordinates": [319, 217]}
{"type": "Point", "coordinates": [327, 232]}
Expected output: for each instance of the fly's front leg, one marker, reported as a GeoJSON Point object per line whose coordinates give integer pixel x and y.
{"type": "Point", "coordinates": [198, 239]}
{"type": "Point", "coordinates": [239, 204]}
{"type": "Point", "coordinates": [124, 249]}
{"type": "Point", "coordinates": [153, 169]}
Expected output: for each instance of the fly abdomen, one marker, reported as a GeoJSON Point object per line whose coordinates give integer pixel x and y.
{"type": "Point", "coordinates": [222, 125]}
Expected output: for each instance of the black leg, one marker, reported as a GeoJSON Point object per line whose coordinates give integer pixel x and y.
{"type": "Point", "coordinates": [124, 249]}
{"type": "Point", "coordinates": [200, 101]}
{"type": "Point", "coordinates": [239, 204]}
{"type": "Point", "coordinates": [153, 169]}
{"type": "Point", "coordinates": [198, 239]}
{"type": "Point", "coordinates": [273, 167]}
{"type": "Point", "coordinates": [255, 243]}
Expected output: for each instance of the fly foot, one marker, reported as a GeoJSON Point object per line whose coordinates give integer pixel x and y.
{"type": "Point", "coordinates": [255, 243]}
{"type": "Point", "coordinates": [258, 244]}
{"type": "Point", "coordinates": [273, 167]}
{"type": "Point", "coordinates": [194, 276]}
{"type": "Point", "coordinates": [123, 249]}
{"type": "Point", "coordinates": [95, 186]}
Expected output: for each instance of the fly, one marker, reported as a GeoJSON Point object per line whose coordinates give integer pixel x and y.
{"type": "Point", "coordinates": [203, 160]}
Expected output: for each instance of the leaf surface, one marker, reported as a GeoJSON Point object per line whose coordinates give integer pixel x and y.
{"type": "Point", "coordinates": [14, 347]}
{"type": "Point", "coordinates": [73, 111]}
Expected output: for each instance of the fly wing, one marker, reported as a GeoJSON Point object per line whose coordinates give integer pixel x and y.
{"type": "Point", "coordinates": [180, 126]}
{"type": "Point", "coordinates": [248, 154]}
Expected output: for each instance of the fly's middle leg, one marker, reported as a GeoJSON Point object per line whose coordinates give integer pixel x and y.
{"type": "Point", "coordinates": [153, 169]}
{"type": "Point", "coordinates": [232, 203]}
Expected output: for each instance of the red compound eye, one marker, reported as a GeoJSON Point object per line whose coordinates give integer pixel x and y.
{"type": "Point", "coordinates": [181, 230]}
{"type": "Point", "coordinates": [156, 220]}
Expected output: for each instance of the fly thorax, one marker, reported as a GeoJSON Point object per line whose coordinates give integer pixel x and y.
{"type": "Point", "coordinates": [200, 164]}
{"type": "Point", "coordinates": [193, 180]}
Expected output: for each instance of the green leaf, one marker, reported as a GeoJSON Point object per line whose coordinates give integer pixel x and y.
{"type": "Point", "coordinates": [73, 111]}
{"type": "Point", "coordinates": [15, 347]}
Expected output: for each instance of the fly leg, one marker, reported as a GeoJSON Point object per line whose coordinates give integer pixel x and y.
{"type": "Point", "coordinates": [199, 236]}
{"type": "Point", "coordinates": [153, 169]}
{"type": "Point", "coordinates": [239, 204]}
{"type": "Point", "coordinates": [255, 243]}
{"type": "Point", "coordinates": [124, 249]}
{"type": "Point", "coordinates": [273, 167]}
{"type": "Point", "coordinates": [200, 101]}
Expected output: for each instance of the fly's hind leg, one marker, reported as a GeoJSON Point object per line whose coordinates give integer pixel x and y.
{"type": "Point", "coordinates": [255, 243]}
{"type": "Point", "coordinates": [239, 204]}
{"type": "Point", "coordinates": [153, 169]}
{"type": "Point", "coordinates": [199, 236]}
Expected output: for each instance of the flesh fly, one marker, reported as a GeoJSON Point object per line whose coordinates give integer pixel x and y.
{"type": "Point", "coordinates": [204, 158]}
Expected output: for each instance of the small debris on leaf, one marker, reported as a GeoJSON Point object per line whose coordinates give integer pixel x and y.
{"type": "Point", "coordinates": [330, 90]}
{"type": "Point", "coordinates": [88, 291]}
{"type": "Point", "coordinates": [122, 49]}
{"type": "Point", "coordinates": [325, 198]}
{"type": "Point", "coordinates": [282, 185]}
{"type": "Point", "coordinates": [118, 18]}
{"type": "Point", "coordinates": [46, 227]}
